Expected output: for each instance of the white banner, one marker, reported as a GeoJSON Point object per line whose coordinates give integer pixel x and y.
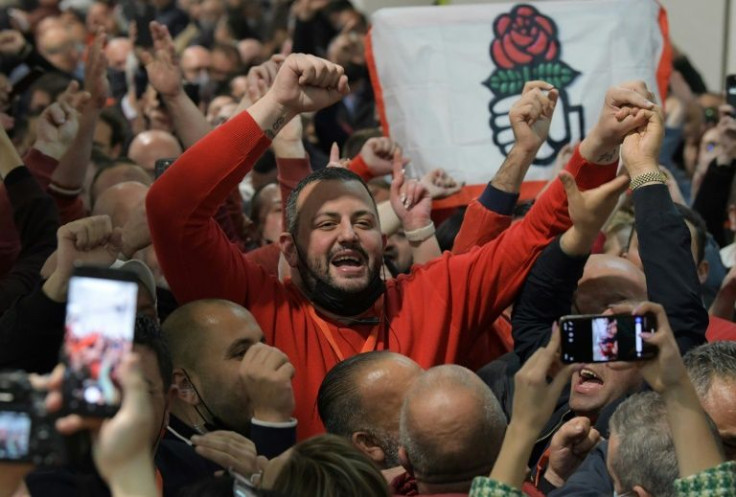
{"type": "Point", "coordinates": [445, 77]}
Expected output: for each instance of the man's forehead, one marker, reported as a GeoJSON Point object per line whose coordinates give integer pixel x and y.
{"type": "Point", "coordinates": [321, 195]}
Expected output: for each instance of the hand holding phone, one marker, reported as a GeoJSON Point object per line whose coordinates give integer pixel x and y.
{"type": "Point", "coordinates": [100, 322]}
{"type": "Point", "coordinates": [606, 338]}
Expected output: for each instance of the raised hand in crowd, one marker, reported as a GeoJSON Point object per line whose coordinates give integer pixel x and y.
{"type": "Point", "coordinates": [58, 125]}
{"type": "Point", "coordinates": [90, 240]}
{"type": "Point", "coordinates": [727, 135]}
{"type": "Point", "coordinates": [535, 398]}
{"type": "Point", "coordinates": [304, 83]}
{"type": "Point", "coordinates": [440, 184]}
{"type": "Point", "coordinates": [267, 373]}
{"type": "Point", "coordinates": [11, 42]}
{"type": "Point", "coordinates": [616, 120]}
{"type": "Point", "coordinates": [162, 66]}
{"type": "Point", "coordinates": [569, 447]}
{"type": "Point", "coordinates": [410, 199]}
{"type": "Point", "coordinates": [640, 150]}
{"type": "Point", "coordinates": [589, 211]}
{"type": "Point", "coordinates": [95, 72]}
{"type": "Point", "coordinates": [530, 117]}
{"type": "Point", "coordinates": [695, 445]}
{"type": "Point", "coordinates": [261, 77]}
{"type": "Point", "coordinates": [378, 154]}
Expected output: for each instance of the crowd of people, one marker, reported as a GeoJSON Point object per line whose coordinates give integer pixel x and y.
{"type": "Point", "coordinates": [302, 327]}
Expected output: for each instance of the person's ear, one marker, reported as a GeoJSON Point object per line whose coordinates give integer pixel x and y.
{"type": "Point", "coordinates": [367, 445]}
{"type": "Point", "coordinates": [183, 389]}
{"type": "Point", "coordinates": [288, 248]}
{"type": "Point", "coordinates": [404, 460]}
{"type": "Point", "coordinates": [640, 491]}
{"type": "Point", "coordinates": [703, 269]}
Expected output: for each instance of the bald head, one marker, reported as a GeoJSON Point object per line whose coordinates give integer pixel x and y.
{"type": "Point", "coordinates": [195, 60]}
{"type": "Point", "coordinates": [250, 51]}
{"type": "Point", "coordinates": [194, 327]}
{"type": "Point", "coordinates": [149, 146]}
{"type": "Point", "coordinates": [117, 51]}
{"type": "Point", "coordinates": [119, 201]}
{"type": "Point", "coordinates": [119, 173]}
{"type": "Point", "coordinates": [608, 280]}
{"type": "Point", "coordinates": [361, 397]}
{"type": "Point", "coordinates": [59, 47]}
{"type": "Point", "coordinates": [452, 427]}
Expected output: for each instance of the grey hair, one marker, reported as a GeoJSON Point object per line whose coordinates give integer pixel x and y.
{"type": "Point", "coordinates": [709, 361]}
{"type": "Point", "coordinates": [646, 452]}
{"type": "Point", "coordinates": [475, 447]}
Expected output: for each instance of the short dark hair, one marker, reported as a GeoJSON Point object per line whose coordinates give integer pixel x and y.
{"type": "Point", "coordinates": [148, 334]}
{"type": "Point", "coordinates": [338, 400]}
{"type": "Point", "coordinates": [112, 117]}
{"type": "Point", "coordinates": [701, 230]}
{"type": "Point", "coordinates": [709, 361]}
{"type": "Point", "coordinates": [355, 142]}
{"type": "Point", "coordinates": [325, 174]}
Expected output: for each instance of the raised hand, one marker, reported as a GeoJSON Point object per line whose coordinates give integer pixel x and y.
{"type": "Point", "coordinates": [440, 184]}
{"type": "Point", "coordinates": [378, 153]}
{"type": "Point", "coordinates": [90, 240]}
{"type": "Point", "coordinates": [261, 77]}
{"type": "Point", "coordinates": [267, 374]}
{"type": "Point", "coordinates": [409, 198]}
{"type": "Point", "coordinates": [57, 127]}
{"type": "Point", "coordinates": [570, 445]}
{"type": "Point", "coordinates": [616, 121]}
{"type": "Point", "coordinates": [640, 151]}
{"type": "Point", "coordinates": [531, 115]}
{"type": "Point", "coordinates": [162, 67]}
{"type": "Point", "coordinates": [11, 42]}
{"type": "Point", "coordinates": [305, 83]}
{"type": "Point", "coordinates": [95, 72]}
{"type": "Point", "coordinates": [229, 450]}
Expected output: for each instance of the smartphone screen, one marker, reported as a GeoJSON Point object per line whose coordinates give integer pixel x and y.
{"type": "Point", "coordinates": [731, 90]}
{"type": "Point", "coordinates": [606, 338]}
{"type": "Point", "coordinates": [15, 435]}
{"type": "Point", "coordinates": [100, 322]}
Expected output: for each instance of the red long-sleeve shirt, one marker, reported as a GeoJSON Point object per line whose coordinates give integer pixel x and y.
{"type": "Point", "coordinates": [432, 315]}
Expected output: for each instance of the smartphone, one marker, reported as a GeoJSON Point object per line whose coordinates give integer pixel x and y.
{"type": "Point", "coordinates": [161, 165]}
{"type": "Point", "coordinates": [144, 14]}
{"type": "Point", "coordinates": [100, 322]}
{"type": "Point", "coordinates": [731, 90]}
{"type": "Point", "coordinates": [27, 432]}
{"type": "Point", "coordinates": [601, 338]}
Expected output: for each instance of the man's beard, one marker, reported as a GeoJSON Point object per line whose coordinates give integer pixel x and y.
{"type": "Point", "coordinates": [389, 444]}
{"type": "Point", "coordinates": [341, 301]}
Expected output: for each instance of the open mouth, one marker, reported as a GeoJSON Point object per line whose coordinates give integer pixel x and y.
{"type": "Point", "coordinates": [349, 263]}
{"type": "Point", "coordinates": [588, 376]}
{"type": "Point", "coordinates": [588, 382]}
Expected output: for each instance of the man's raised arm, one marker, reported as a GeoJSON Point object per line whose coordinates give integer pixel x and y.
{"type": "Point", "coordinates": [194, 253]}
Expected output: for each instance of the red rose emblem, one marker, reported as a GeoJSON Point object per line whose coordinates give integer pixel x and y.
{"type": "Point", "coordinates": [524, 36]}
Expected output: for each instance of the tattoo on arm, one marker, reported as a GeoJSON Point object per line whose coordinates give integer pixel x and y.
{"type": "Point", "coordinates": [608, 156]}
{"type": "Point", "coordinates": [277, 125]}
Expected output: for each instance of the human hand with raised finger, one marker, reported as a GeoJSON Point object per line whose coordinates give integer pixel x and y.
{"type": "Point", "coordinates": [95, 72]}
{"type": "Point", "coordinates": [267, 374]}
{"type": "Point", "coordinates": [440, 184]}
{"type": "Point", "coordinates": [589, 211]}
{"type": "Point", "coordinates": [531, 115]}
{"type": "Point", "coordinates": [378, 154]}
{"type": "Point", "coordinates": [409, 198]}
{"type": "Point", "coordinates": [56, 129]}
{"type": "Point", "coordinates": [162, 66]}
{"type": "Point", "coordinates": [228, 449]}
{"type": "Point", "coordinates": [569, 447]}
{"type": "Point", "coordinates": [620, 115]}
{"type": "Point", "coordinates": [641, 146]}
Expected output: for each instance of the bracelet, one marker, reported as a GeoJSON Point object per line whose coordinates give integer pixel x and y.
{"type": "Point", "coordinates": [640, 180]}
{"type": "Point", "coordinates": [421, 234]}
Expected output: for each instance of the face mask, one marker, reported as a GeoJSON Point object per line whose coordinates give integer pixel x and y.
{"type": "Point", "coordinates": [333, 299]}
{"type": "Point", "coordinates": [118, 84]}
{"type": "Point", "coordinates": [216, 424]}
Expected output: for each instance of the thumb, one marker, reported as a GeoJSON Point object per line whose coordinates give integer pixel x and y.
{"type": "Point", "coordinates": [335, 153]}
{"type": "Point", "coordinates": [398, 172]}
{"type": "Point", "coordinates": [568, 182]}
{"type": "Point", "coordinates": [616, 186]}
